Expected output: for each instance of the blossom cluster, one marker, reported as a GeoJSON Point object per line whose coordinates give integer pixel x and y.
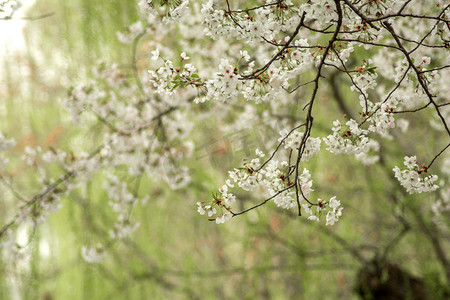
{"type": "Point", "coordinates": [332, 215]}
{"type": "Point", "coordinates": [172, 10]}
{"type": "Point", "coordinates": [267, 21]}
{"type": "Point", "coordinates": [294, 141]}
{"type": "Point", "coordinates": [381, 115]}
{"type": "Point", "coordinates": [415, 179]}
{"type": "Point", "coordinates": [220, 206]}
{"type": "Point", "coordinates": [365, 78]}
{"type": "Point", "coordinates": [167, 77]}
{"type": "Point", "coordinates": [347, 139]}
{"type": "Point", "coordinates": [122, 202]}
{"type": "Point", "coordinates": [275, 177]}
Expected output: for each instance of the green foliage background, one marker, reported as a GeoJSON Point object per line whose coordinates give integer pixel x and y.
{"type": "Point", "coordinates": [177, 254]}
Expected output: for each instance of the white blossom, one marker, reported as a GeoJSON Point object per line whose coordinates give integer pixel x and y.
{"type": "Point", "coordinates": [93, 255]}
{"type": "Point", "coordinates": [415, 179]}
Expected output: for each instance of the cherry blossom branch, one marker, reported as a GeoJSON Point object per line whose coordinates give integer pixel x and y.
{"type": "Point", "coordinates": [436, 69]}
{"type": "Point", "coordinates": [419, 77]}
{"type": "Point", "coordinates": [412, 110]}
{"type": "Point", "coordinates": [353, 82]}
{"type": "Point", "coordinates": [299, 86]}
{"type": "Point", "coordinates": [260, 204]}
{"type": "Point", "coordinates": [261, 70]}
{"type": "Point", "coordinates": [389, 95]}
{"type": "Point", "coordinates": [361, 15]}
{"type": "Point", "coordinates": [368, 43]}
{"type": "Point", "coordinates": [253, 8]}
{"type": "Point", "coordinates": [426, 35]}
{"type": "Point", "coordinates": [48, 189]}
{"type": "Point", "coordinates": [324, 31]}
{"type": "Point", "coordinates": [309, 118]}
{"type": "Point", "coordinates": [12, 189]}
{"type": "Point", "coordinates": [437, 155]}
{"type": "Point", "coordinates": [431, 234]}
{"type": "Point", "coordinates": [278, 147]}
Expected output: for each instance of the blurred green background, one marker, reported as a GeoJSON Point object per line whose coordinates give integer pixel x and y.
{"type": "Point", "coordinates": [177, 254]}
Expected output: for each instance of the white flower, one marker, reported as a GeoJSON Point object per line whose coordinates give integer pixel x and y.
{"type": "Point", "coordinates": [244, 55]}
{"type": "Point", "coordinates": [334, 214]}
{"type": "Point", "coordinates": [367, 159]}
{"type": "Point", "coordinates": [184, 56]}
{"type": "Point", "coordinates": [259, 153]}
{"type": "Point", "coordinates": [415, 180]}
{"type": "Point", "coordinates": [399, 73]}
{"type": "Point", "coordinates": [224, 218]}
{"type": "Point", "coordinates": [200, 208]}
{"type": "Point", "coordinates": [211, 211]}
{"type": "Point", "coordinates": [426, 60]}
{"type": "Point", "coordinates": [333, 203]}
{"type": "Point", "coordinates": [147, 6]}
{"type": "Point", "coordinates": [349, 140]}
{"type": "Point", "coordinates": [285, 200]}
{"type": "Point", "coordinates": [410, 162]}
{"type": "Point", "coordinates": [313, 215]}
{"type": "Point", "coordinates": [294, 140]}
{"type": "Point", "coordinates": [228, 182]}
{"type": "Point", "coordinates": [155, 54]}
{"type": "Point", "coordinates": [305, 183]}
{"type": "Point", "coordinates": [93, 255]}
